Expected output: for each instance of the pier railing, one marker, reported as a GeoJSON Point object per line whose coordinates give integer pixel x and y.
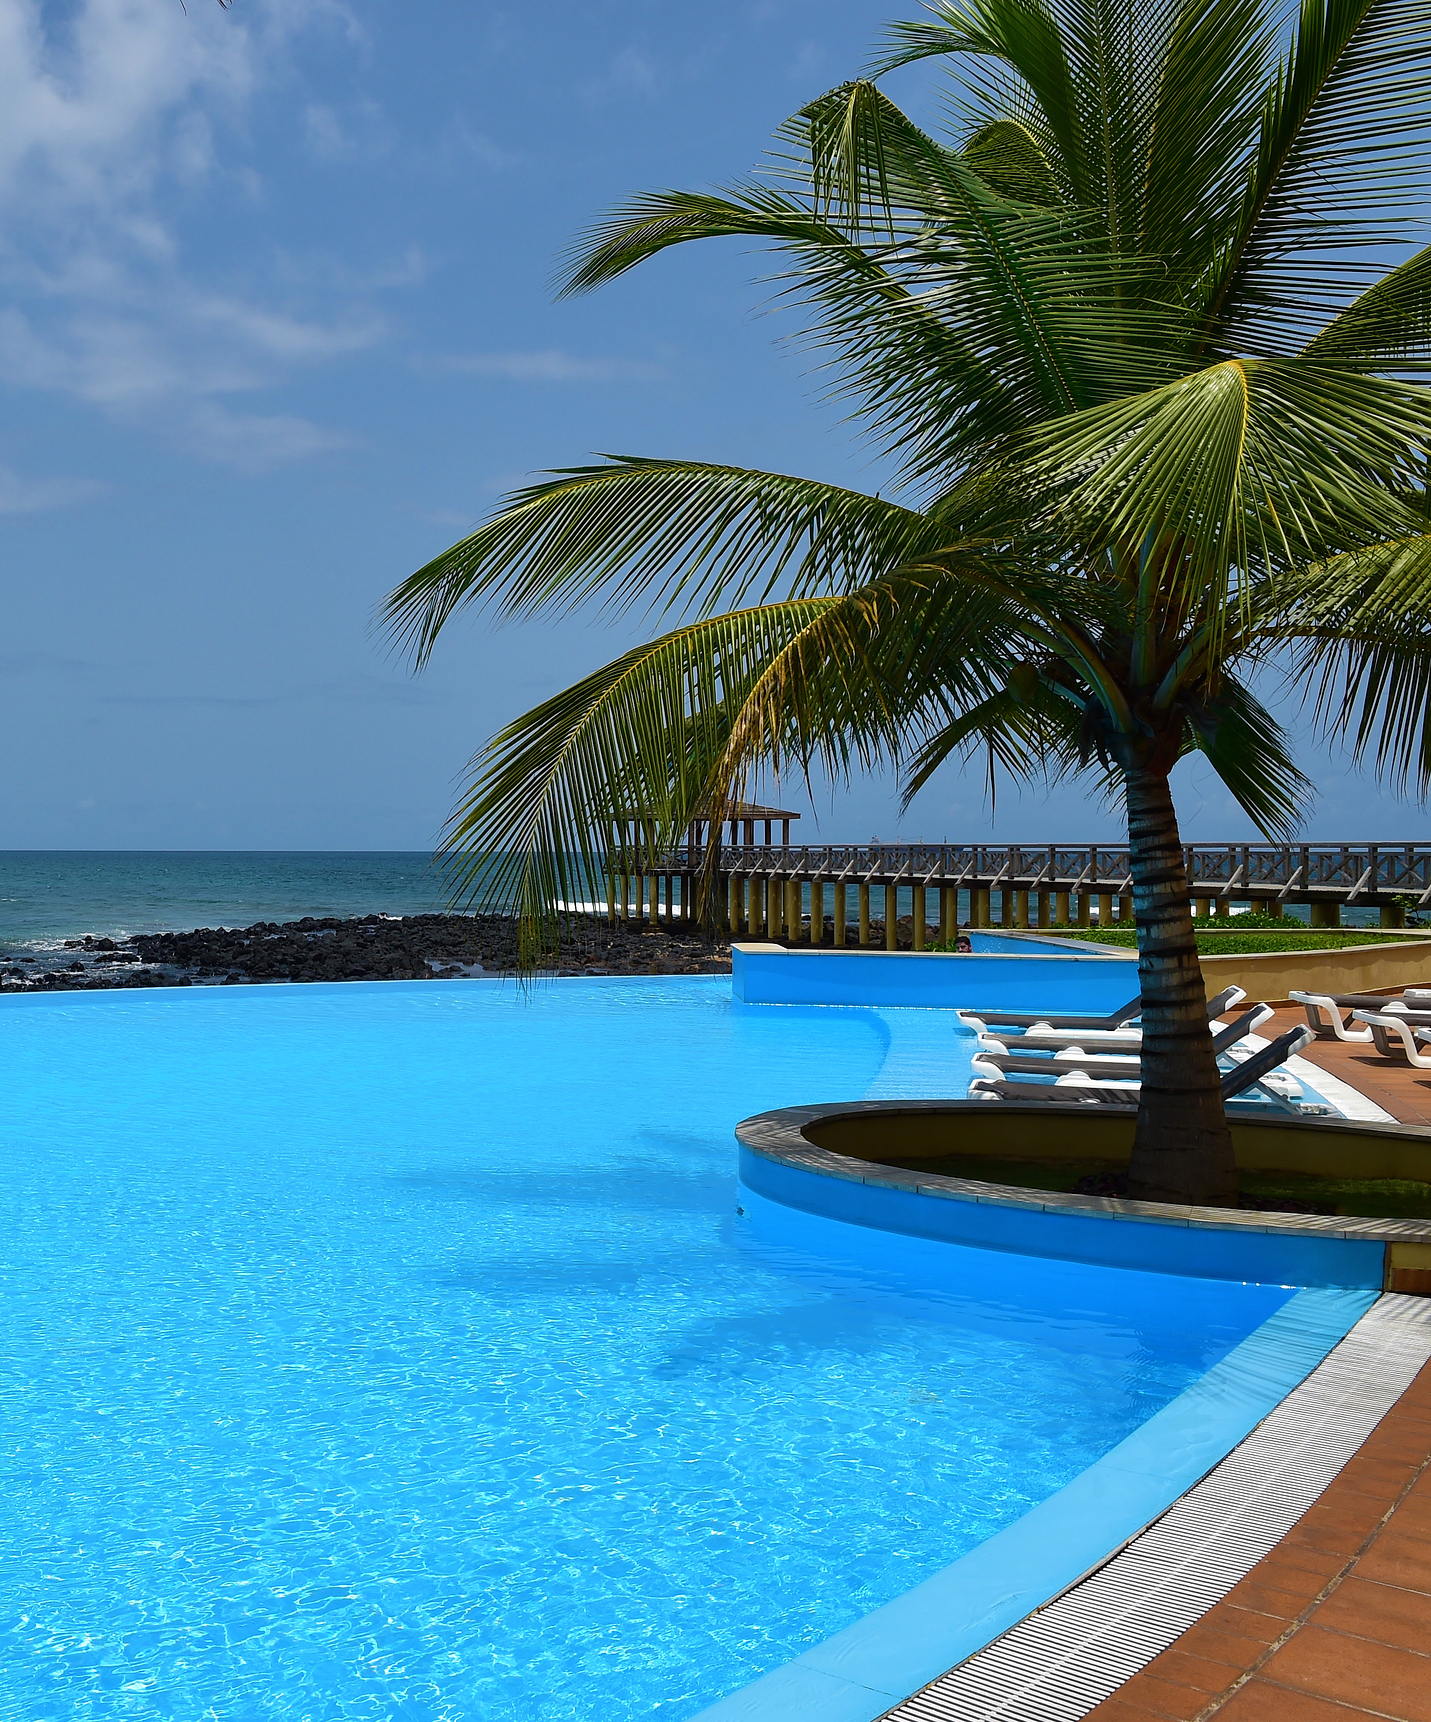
{"type": "Point", "coordinates": [771, 887]}
{"type": "Point", "coordinates": [1368, 873]}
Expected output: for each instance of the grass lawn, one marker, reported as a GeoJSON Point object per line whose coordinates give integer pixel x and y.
{"type": "Point", "coordinates": [1212, 943]}
{"type": "Point", "coordinates": [1286, 1192]}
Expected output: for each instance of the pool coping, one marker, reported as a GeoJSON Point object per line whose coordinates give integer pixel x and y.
{"type": "Point", "coordinates": [1063, 1660]}
{"type": "Point", "coordinates": [779, 1136]}
{"type": "Point", "coordinates": [868, 1670]}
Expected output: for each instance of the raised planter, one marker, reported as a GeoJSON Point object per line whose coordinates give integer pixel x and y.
{"type": "Point", "coordinates": [1353, 969]}
{"type": "Point", "coordinates": [862, 1163]}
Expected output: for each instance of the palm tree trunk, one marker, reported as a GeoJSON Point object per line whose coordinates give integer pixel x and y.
{"type": "Point", "coordinates": [1182, 1149]}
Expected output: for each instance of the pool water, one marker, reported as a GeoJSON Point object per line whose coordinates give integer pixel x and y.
{"type": "Point", "coordinates": [396, 1351]}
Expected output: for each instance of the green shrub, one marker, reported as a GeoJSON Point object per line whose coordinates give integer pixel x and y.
{"type": "Point", "coordinates": [1232, 943]}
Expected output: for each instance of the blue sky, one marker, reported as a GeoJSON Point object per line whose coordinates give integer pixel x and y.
{"type": "Point", "coordinates": [276, 327]}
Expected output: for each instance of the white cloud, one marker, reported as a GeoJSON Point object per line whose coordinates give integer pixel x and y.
{"type": "Point", "coordinates": [631, 72]}
{"type": "Point", "coordinates": [322, 274]}
{"type": "Point", "coordinates": [360, 131]}
{"type": "Point", "coordinates": [459, 143]}
{"type": "Point", "coordinates": [282, 336]}
{"type": "Point", "coordinates": [109, 115]}
{"type": "Point", "coordinates": [126, 363]}
{"type": "Point", "coordinates": [253, 442]}
{"type": "Point", "coordinates": [88, 107]}
{"type": "Point", "coordinates": [21, 495]}
{"type": "Point", "coordinates": [549, 366]}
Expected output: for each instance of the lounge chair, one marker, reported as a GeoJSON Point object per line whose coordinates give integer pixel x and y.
{"type": "Point", "coordinates": [1112, 1023]}
{"type": "Point", "coordinates": [1324, 1010]}
{"type": "Point", "coordinates": [1076, 1089]}
{"type": "Point", "coordinates": [1000, 1060]}
{"type": "Point", "coordinates": [1027, 1019]}
{"type": "Point", "coordinates": [1127, 1039]}
{"type": "Point", "coordinates": [1396, 1035]}
{"type": "Point", "coordinates": [999, 1064]}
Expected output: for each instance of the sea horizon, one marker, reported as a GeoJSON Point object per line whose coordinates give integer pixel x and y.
{"type": "Point", "coordinates": [50, 895]}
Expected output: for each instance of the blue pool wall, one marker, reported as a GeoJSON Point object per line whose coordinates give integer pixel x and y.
{"type": "Point", "coordinates": [860, 1673]}
{"type": "Point", "coordinates": [1011, 973]}
{"type": "Point", "coordinates": [1150, 1246]}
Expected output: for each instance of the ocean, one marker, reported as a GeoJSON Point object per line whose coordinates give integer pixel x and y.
{"type": "Point", "coordinates": [48, 896]}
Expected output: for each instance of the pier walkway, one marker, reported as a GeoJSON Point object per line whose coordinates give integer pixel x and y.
{"type": "Point", "coordinates": [770, 887]}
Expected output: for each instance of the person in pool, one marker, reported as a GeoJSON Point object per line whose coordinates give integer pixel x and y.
{"type": "Point", "coordinates": [964, 945]}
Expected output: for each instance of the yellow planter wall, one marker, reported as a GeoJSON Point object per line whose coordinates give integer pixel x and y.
{"type": "Point", "coordinates": [1354, 969]}
{"type": "Point", "coordinates": [905, 1137]}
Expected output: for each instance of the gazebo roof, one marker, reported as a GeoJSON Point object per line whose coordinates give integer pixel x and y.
{"type": "Point", "coordinates": [753, 810]}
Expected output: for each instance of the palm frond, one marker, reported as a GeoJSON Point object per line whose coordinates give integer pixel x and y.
{"type": "Point", "coordinates": [1027, 731]}
{"type": "Point", "coordinates": [1252, 754]}
{"type": "Point", "coordinates": [875, 671]}
{"type": "Point", "coordinates": [1015, 280]}
{"type": "Point", "coordinates": [1387, 328]}
{"type": "Point", "coordinates": [658, 532]}
{"type": "Point", "coordinates": [655, 221]}
{"type": "Point", "coordinates": [620, 762]}
{"type": "Point", "coordinates": [1340, 169]}
{"type": "Point", "coordinates": [1205, 108]}
{"type": "Point", "coordinates": [949, 312]}
{"type": "Point", "coordinates": [1249, 465]}
{"type": "Point", "coordinates": [1362, 627]}
{"type": "Point", "coordinates": [1023, 38]}
{"type": "Point", "coordinates": [677, 729]}
{"type": "Point", "coordinates": [1011, 160]}
{"type": "Point", "coordinates": [1143, 113]}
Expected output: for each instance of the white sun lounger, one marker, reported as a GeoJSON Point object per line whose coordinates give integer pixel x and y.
{"type": "Point", "coordinates": [1396, 1034]}
{"type": "Point", "coordinates": [995, 1059]}
{"type": "Point", "coordinates": [1114, 1022]}
{"type": "Point", "coordinates": [1324, 1010]}
{"type": "Point", "coordinates": [1259, 1069]}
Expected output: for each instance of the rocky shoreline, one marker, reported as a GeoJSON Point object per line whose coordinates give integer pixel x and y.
{"type": "Point", "coordinates": [369, 948]}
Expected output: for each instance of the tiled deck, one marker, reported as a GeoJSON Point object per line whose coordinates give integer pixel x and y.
{"type": "Point", "coordinates": [1335, 1623]}
{"type": "Point", "coordinates": [1405, 1093]}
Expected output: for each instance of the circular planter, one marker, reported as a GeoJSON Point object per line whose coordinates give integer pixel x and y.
{"type": "Point", "coordinates": [867, 1161]}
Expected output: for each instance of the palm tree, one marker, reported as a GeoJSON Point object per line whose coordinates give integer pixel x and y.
{"type": "Point", "coordinates": [1153, 407]}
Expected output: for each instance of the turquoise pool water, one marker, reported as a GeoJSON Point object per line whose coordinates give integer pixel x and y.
{"type": "Point", "coordinates": [396, 1351]}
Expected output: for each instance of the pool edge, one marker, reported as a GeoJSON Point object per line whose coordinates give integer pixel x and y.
{"type": "Point", "coordinates": [877, 1662]}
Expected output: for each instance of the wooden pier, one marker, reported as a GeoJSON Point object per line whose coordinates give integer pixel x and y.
{"type": "Point", "coordinates": [768, 889]}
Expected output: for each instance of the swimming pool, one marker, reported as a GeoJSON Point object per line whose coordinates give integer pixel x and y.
{"type": "Point", "coordinates": [395, 1351]}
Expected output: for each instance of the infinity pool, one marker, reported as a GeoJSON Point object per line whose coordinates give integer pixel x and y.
{"type": "Point", "coordinates": [396, 1351]}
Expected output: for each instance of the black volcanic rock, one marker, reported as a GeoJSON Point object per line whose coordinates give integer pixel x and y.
{"type": "Point", "coordinates": [416, 947]}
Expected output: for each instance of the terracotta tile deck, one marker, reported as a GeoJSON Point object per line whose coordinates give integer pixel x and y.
{"type": "Point", "coordinates": [1403, 1092]}
{"type": "Point", "coordinates": [1335, 1623]}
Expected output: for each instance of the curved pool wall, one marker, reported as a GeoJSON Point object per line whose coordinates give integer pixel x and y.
{"type": "Point", "coordinates": [1014, 973]}
{"type": "Point", "coordinates": [880, 1197]}
{"type": "Point", "coordinates": [860, 1673]}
